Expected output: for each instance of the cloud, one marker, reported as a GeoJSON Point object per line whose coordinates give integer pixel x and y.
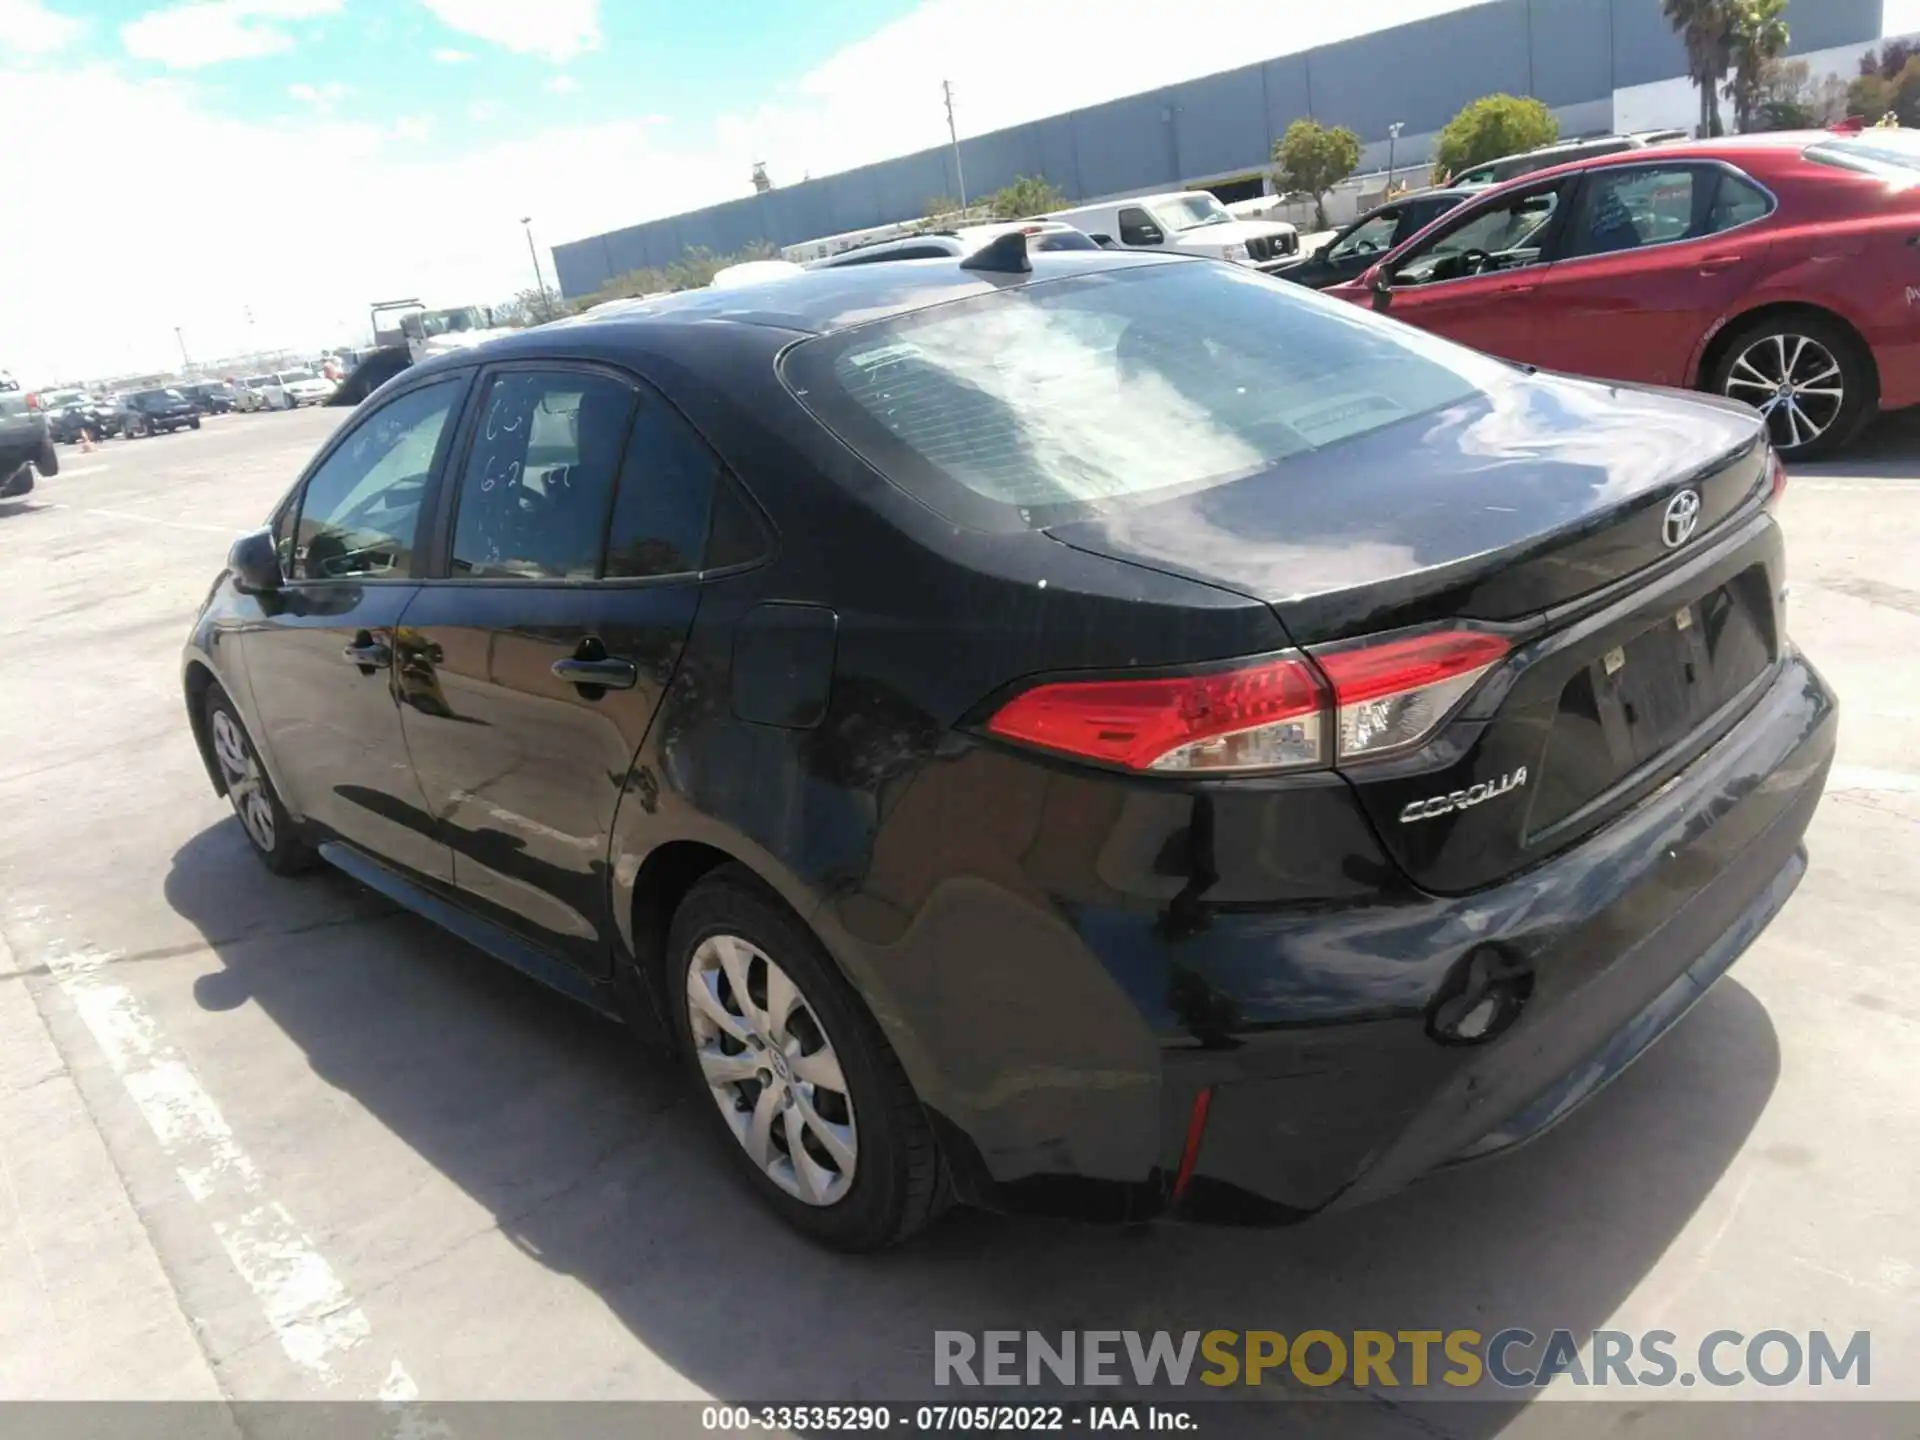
{"type": "Point", "coordinates": [444, 224]}
{"type": "Point", "coordinates": [563, 85]}
{"type": "Point", "coordinates": [556, 30]}
{"type": "Point", "coordinates": [322, 98]}
{"type": "Point", "coordinates": [447, 55]}
{"type": "Point", "coordinates": [31, 28]}
{"type": "Point", "coordinates": [209, 32]}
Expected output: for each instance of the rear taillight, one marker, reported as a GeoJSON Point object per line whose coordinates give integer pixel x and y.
{"type": "Point", "coordinates": [33, 401]}
{"type": "Point", "coordinates": [1266, 716]}
{"type": "Point", "coordinates": [1350, 702]}
{"type": "Point", "coordinates": [1393, 694]}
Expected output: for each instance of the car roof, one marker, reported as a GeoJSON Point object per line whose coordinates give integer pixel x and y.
{"type": "Point", "coordinates": [817, 302]}
{"type": "Point", "coordinates": [1730, 148]}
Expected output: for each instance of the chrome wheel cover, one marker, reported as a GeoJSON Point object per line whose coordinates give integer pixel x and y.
{"type": "Point", "coordinates": [1793, 380]}
{"type": "Point", "coordinates": [771, 1069]}
{"type": "Point", "coordinates": [246, 785]}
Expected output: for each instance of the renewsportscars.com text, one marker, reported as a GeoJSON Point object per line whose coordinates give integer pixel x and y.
{"type": "Point", "coordinates": [1513, 1358]}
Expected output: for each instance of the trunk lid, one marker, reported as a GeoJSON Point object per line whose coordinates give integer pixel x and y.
{"type": "Point", "coordinates": [1541, 511]}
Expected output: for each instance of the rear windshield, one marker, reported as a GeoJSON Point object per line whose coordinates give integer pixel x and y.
{"type": "Point", "coordinates": [1892, 153]}
{"type": "Point", "coordinates": [294, 377]}
{"type": "Point", "coordinates": [1038, 403]}
{"type": "Point", "coordinates": [256, 382]}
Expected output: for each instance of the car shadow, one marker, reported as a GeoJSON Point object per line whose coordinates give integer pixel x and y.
{"type": "Point", "coordinates": [1888, 449]}
{"type": "Point", "coordinates": [593, 1158]}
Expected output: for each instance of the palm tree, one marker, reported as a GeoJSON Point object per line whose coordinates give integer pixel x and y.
{"type": "Point", "coordinates": [1758, 37]}
{"type": "Point", "coordinates": [1706, 28]}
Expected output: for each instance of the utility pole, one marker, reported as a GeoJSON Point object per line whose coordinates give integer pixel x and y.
{"type": "Point", "coordinates": [539, 280]}
{"type": "Point", "coordinates": [953, 135]}
{"type": "Point", "coordinates": [186, 362]}
{"type": "Point", "coordinates": [1393, 138]}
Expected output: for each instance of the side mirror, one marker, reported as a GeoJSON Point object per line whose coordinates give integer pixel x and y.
{"type": "Point", "coordinates": [1381, 284]}
{"type": "Point", "coordinates": [255, 563]}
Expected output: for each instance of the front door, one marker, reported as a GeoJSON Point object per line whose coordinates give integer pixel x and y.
{"type": "Point", "coordinates": [532, 666]}
{"type": "Point", "coordinates": [320, 662]}
{"type": "Point", "coordinates": [1653, 255]}
{"type": "Point", "coordinates": [1474, 278]}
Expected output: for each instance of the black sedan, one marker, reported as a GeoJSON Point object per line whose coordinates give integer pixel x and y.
{"type": "Point", "coordinates": [1369, 238]}
{"type": "Point", "coordinates": [155, 412]}
{"type": "Point", "coordinates": [67, 423]}
{"type": "Point", "coordinates": [209, 397]}
{"type": "Point", "coordinates": [1101, 732]}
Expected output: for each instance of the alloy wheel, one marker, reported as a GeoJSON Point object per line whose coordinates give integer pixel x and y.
{"type": "Point", "coordinates": [1795, 382]}
{"type": "Point", "coordinates": [771, 1069]}
{"type": "Point", "coordinates": [246, 786]}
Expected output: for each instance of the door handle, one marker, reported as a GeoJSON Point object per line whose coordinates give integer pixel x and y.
{"type": "Point", "coordinates": [368, 653]}
{"type": "Point", "coordinates": [601, 674]}
{"type": "Point", "coordinates": [1506, 290]}
{"type": "Point", "coordinates": [1714, 264]}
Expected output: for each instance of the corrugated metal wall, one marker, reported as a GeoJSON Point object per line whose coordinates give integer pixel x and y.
{"type": "Point", "coordinates": [1570, 53]}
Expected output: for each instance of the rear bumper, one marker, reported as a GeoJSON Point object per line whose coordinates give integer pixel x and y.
{"type": "Point", "coordinates": [1622, 936]}
{"type": "Point", "coordinates": [1062, 1052]}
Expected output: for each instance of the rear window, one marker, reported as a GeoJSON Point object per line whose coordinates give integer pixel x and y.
{"type": "Point", "coordinates": [257, 382]}
{"type": "Point", "coordinates": [1042, 402]}
{"type": "Point", "coordinates": [1892, 153]}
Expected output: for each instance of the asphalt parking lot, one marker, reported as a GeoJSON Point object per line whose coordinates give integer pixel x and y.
{"type": "Point", "coordinates": [268, 1139]}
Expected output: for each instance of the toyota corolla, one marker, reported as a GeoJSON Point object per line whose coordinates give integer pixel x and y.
{"type": "Point", "coordinates": [1092, 732]}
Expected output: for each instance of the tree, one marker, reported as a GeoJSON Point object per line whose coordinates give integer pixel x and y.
{"type": "Point", "coordinates": [1705, 27]}
{"type": "Point", "coordinates": [1027, 195]}
{"type": "Point", "coordinates": [1491, 127]}
{"type": "Point", "coordinates": [1757, 38]}
{"type": "Point", "coordinates": [1313, 158]}
{"type": "Point", "coordinates": [1870, 97]}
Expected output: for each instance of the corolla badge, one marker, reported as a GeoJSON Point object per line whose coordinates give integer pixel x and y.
{"type": "Point", "coordinates": [1682, 517]}
{"type": "Point", "coordinates": [1463, 799]}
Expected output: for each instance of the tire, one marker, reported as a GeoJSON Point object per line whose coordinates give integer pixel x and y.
{"type": "Point", "coordinates": [194, 424]}
{"type": "Point", "coordinates": [872, 1168]}
{"type": "Point", "coordinates": [47, 462]}
{"type": "Point", "coordinates": [270, 831]}
{"type": "Point", "coordinates": [1789, 368]}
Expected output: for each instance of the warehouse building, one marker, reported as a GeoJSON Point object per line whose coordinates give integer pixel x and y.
{"type": "Point", "coordinates": [1601, 64]}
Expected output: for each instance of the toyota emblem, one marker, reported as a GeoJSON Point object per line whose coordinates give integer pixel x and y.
{"type": "Point", "coordinates": [1682, 518]}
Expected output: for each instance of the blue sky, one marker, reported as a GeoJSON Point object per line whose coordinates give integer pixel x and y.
{"type": "Point", "coordinates": [301, 158]}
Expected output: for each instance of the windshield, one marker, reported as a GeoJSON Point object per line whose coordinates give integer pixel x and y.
{"type": "Point", "coordinates": [1189, 212]}
{"type": "Point", "coordinates": [1035, 404]}
{"type": "Point", "coordinates": [258, 382]}
{"type": "Point", "coordinates": [294, 377]}
{"type": "Point", "coordinates": [449, 322]}
{"type": "Point", "coordinates": [1893, 154]}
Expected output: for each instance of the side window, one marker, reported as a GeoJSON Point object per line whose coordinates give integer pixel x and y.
{"type": "Point", "coordinates": [1137, 228]}
{"type": "Point", "coordinates": [1505, 235]}
{"type": "Point", "coordinates": [533, 496]}
{"type": "Point", "coordinates": [361, 508]}
{"type": "Point", "coordinates": [1372, 236]}
{"type": "Point", "coordinates": [667, 485]}
{"type": "Point", "coordinates": [1737, 201]}
{"type": "Point", "coordinates": [1624, 209]}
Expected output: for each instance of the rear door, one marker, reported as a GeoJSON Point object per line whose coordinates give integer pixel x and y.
{"type": "Point", "coordinates": [1652, 255]}
{"type": "Point", "coordinates": [532, 663]}
{"type": "Point", "coordinates": [1473, 279]}
{"type": "Point", "coordinates": [320, 662]}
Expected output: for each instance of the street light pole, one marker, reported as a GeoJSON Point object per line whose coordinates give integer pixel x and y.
{"type": "Point", "coordinates": [186, 362]}
{"type": "Point", "coordinates": [1393, 139]}
{"type": "Point", "coordinates": [953, 135]}
{"type": "Point", "coordinates": [539, 280]}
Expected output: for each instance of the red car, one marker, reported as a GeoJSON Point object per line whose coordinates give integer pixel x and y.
{"type": "Point", "coordinates": [1782, 270]}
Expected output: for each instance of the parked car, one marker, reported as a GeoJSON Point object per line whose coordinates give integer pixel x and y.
{"type": "Point", "coordinates": [210, 397]}
{"type": "Point", "coordinates": [85, 413]}
{"type": "Point", "coordinates": [1369, 238]}
{"type": "Point", "coordinates": [1705, 265]}
{"type": "Point", "coordinates": [157, 412]}
{"type": "Point", "coordinates": [1185, 222]}
{"type": "Point", "coordinates": [250, 394]}
{"type": "Point", "coordinates": [1041, 235]}
{"type": "Point", "coordinates": [1120, 734]}
{"type": "Point", "coordinates": [1566, 152]}
{"type": "Point", "coordinates": [25, 445]}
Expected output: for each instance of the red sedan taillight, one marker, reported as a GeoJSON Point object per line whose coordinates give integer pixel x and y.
{"type": "Point", "coordinates": [1291, 712]}
{"type": "Point", "coordinates": [1778, 481]}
